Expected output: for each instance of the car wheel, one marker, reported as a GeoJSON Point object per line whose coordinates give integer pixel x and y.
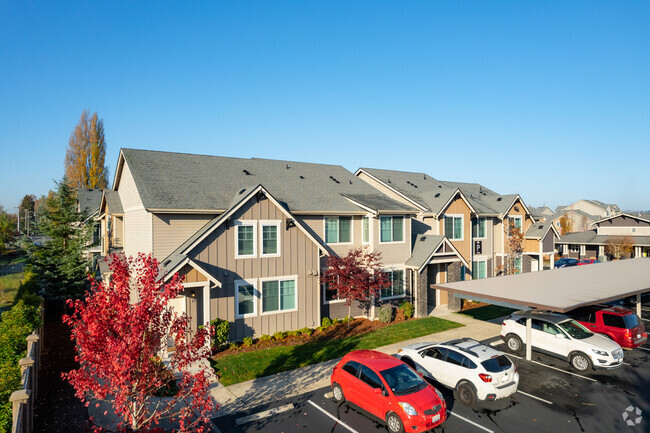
{"type": "Point", "coordinates": [514, 343]}
{"type": "Point", "coordinates": [394, 423]}
{"type": "Point", "coordinates": [339, 397]}
{"type": "Point", "coordinates": [466, 394]}
{"type": "Point", "coordinates": [580, 362]}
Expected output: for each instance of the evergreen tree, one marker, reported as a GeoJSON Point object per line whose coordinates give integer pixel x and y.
{"type": "Point", "coordinates": [59, 262]}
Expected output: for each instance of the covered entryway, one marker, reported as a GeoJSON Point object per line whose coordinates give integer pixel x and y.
{"type": "Point", "coordinates": [560, 290]}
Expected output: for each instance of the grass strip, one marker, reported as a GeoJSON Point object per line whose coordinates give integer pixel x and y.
{"type": "Point", "coordinates": [488, 312]}
{"type": "Point", "coordinates": [251, 365]}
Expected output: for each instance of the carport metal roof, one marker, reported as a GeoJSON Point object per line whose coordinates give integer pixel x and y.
{"type": "Point", "coordinates": [559, 290]}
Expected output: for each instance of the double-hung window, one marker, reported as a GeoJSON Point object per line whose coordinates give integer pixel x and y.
{"type": "Point", "coordinates": [278, 295]}
{"type": "Point", "coordinates": [245, 299]}
{"type": "Point", "coordinates": [338, 229]}
{"type": "Point", "coordinates": [365, 230]}
{"type": "Point", "coordinates": [454, 227]}
{"type": "Point", "coordinates": [514, 223]}
{"type": "Point", "coordinates": [246, 245]}
{"type": "Point", "coordinates": [478, 228]}
{"type": "Point", "coordinates": [479, 270]}
{"type": "Point", "coordinates": [270, 238]}
{"type": "Point", "coordinates": [396, 287]}
{"type": "Point", "coordinates": [391, 229]}
{"type": "Point", "coordinates": [518, 265]}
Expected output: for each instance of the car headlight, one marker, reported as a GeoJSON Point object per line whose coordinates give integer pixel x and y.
{"type": "Point", "coordinates": [408, 408]}
{"type": "Point", "coordinates": [600, 352]}
{"type": "Point", "coordinates": [439, 394]}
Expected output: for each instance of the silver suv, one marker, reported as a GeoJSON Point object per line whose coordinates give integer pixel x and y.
{"type": "Point", "coordinates": [562, 337]}
{"type": "Point", "coordinates": [474, 370]}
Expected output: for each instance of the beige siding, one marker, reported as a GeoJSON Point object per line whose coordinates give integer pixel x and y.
{"type": "Point", "coordinates": [117, 232]}
{"type": "Point", "coordinates": [299, 257]}
{"type": "Point", "coordinates": [137, 221]}
{"type": "Point", "coordinates": [393, 252]}
{"type": "Point", "coordinates": [171, 230]}
{"type": "Point", "coordinates": [459, 207]}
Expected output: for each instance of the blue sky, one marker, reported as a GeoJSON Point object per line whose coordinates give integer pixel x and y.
{"type": "Point", "coordinates": [548, 99]}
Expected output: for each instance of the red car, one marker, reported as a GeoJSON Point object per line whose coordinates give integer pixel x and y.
{"type": "Point", "coordinates": [620, 324]}
{"type": "Point", "coordinates": [390, 390]}
{"type": "Point", "coordinates": [588, 262]}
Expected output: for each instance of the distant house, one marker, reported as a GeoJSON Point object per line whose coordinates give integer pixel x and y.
{"type": "Point", "coordinates": [583, 214]}
{"type": "Point", "coordinates": [593, 243]}
{"type": "Point", "coordinates": [88, 201]}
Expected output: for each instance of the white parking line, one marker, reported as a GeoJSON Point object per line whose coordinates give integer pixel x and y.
{"type": "Point", "coordinates": [535, 397]}
{"type": "Point", "coordinates": [264, 414]}
{"type": "Point", "coordinates": [555, 368]}
{"type": "Point", "coordinates": [644, 348]}
{"type": "Point", "coordinates": [333, 417]}
{"type": "Point", "coordinates": [471, 422]}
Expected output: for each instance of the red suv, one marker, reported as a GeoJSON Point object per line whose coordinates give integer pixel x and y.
{"type": "Point", "coordinates": [620, 324]}
{"type": "Point", "coordinates": [389, 389]}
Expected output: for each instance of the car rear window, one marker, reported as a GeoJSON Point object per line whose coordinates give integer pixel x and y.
{"type": "Point", "coordinates": [351, 367]}
{"type": "Point", "coordinates": [631, 321]}
{"type": "Point", "coordinates": [496, 364]}
{"type": "Point", "coordinates": [613, 321]}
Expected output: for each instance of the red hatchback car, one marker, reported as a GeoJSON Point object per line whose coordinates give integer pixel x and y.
{"type": "Point", "coordinates": [620, 324]}
{"type": "Point", "coordinates": [390, 390]}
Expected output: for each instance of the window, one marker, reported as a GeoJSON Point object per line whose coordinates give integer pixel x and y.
{"type": "Point", "coordinates": [396, 287]}
{"type": "Point", "coordinates": [352, 367]}
{"type": "Point", "coordinates": [338, 230]}
{"type": "Point", "coordinates": [245, 298]}
{"type": "Point", "coordinates": [518, 265]}
{"type": "Point", "coordinates": [365, 230]}
{"type": "Point", "coordinates": [245, 239]}
{"type": "Point", "coordinates": [574, 248]}
{"type": "Point", "coordinates": [455, 358]}
{"type": "Point", "coordinates": [391, 229]}
{"type": "Point", "coordinates": [454, 227]}
{"type": "Point", "coordinates": [614, 321]}
{"type": "Point", "coordinates": [278, 295]}
{"type": "Point", "coordinates": [516, 223]}
{"type": "Point", "coordinates": [479, 270]}
{"type": "Point", "coordinates": [331, 295]}
{"type": "Point", "coordinates": [270, 238]}
{"type": "Point", "coordinates": [370, 377]}
{"type": "Point", "coordinates": [478, 228]}
{"type": "Point", "coordinates": [557, 224]}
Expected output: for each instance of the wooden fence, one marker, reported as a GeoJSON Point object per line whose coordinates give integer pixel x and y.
{"type": "Point", "coordinates": [23, 399]}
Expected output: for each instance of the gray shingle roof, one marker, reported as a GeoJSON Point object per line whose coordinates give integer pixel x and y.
{"type": "Point", "coordinates": [182, 181]}
{"type": "Point", "coordinates": [113, 201]}
{"type": "Point", "coordinates": [425, 245]}
{"type": "Point", "coordinates": [538, 230]}
{"type": "Point", "coordinates": [89, 199]}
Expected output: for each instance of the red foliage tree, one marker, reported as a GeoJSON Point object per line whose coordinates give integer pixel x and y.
{"type": "Point", "coordinates": [118, 342]}
{"type": "Point", "coordinates": [357, 276]}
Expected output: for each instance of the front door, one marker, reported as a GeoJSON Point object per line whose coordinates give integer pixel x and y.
{"type": "Point", "coordinates": [194, 306]}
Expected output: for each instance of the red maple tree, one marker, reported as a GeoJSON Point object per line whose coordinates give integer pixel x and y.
{"type": "Point", "coordinates": [120, 329]}
{"type": "Point", "coordinates": [356, 277]}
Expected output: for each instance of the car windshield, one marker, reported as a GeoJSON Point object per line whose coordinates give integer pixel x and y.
{"type": "Point", "coordinates": [496, 364]}
{"type": "Point", "coordinates": [575, 330]}
{"type": "Point", "coordinates": [402, 380]}
{"type": "Point", "coordinates": [631, 321]}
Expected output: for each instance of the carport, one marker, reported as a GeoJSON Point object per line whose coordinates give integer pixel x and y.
{"type": "Point", "coordinates": [559, 290]}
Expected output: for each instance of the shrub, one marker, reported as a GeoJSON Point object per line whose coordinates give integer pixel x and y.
{"type": "Point", "coordinates": [279, 336]}
{"type": "Point", "coordinates": [346, 319]}
{"type": "Point", "coordinates": [408, 309]}
{"type": "Point", "coordinates": [293, 333]}
{"type": "Point", "coordinates": [169, 387]}
{"type": "Point", "coordinates": [326, 322]}
{"type": "Point", "coordinates": [233, 346]}
{"type": "Point", "coordinates": [306, 331]}
{"type": "Point", "coordinates": [248, 341]}
{"type": "Point", "coordinates": [385, 313]}
{"type": "Point", "coordinates": [221, 329]}
{"type": "Point", "coordinates": [265, 338]}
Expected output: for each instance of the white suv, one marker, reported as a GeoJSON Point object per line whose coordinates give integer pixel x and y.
{"type": "Point", "coordinates": [474, 370]}
{"type": "Point", "coordinates": [562, 337]}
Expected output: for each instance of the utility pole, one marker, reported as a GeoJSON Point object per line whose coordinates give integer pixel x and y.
{"type": "Point", "coordinates": [27, 221]}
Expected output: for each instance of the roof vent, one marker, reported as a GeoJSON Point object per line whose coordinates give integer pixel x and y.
{"type": "Point", "coordinates": [439, 186]}
{"type": "Point", "coordinates": [425, 177]}
{"type": "Point", "coordinates": [350, 181]}
{"type": "Point", "coordinates": [242, 191]}
{"type": "Point", "coordinates": [437, 194]}
{"type": "Point", "coordinates": [423, 238]}
{"type": "Point", "coordinates": [499, 199]}
{"type": "Point", "coordinates": [541, 226]}
{"type": "Point", "coordinates": [246, 172]}
{"type": "Point", "coordinates": [332, 177]}
{"type": "Point", "coordinates": [302, 177]}
{"type": "Point", "coordinates": [166, 262]}
{"type": "Point", "coordinates": [288, 167]}
{"type": "Point", "coordinates": [389, 180]}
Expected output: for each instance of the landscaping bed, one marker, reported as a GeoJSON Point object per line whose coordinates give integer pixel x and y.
{"type": "Point", "coordinates": [481, 311]}
{"type": "Point", "coordinates": [240, 364]}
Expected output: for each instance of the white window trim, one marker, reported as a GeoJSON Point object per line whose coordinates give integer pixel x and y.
{"type": "Point", "coordinates": [391, 269]}
{"type": "Point", "coordinates": [255, 298]}
{"type": "Point", "coordinates": [486, 268]}
{"type": "Point", "coordinates": [325, 301]}
{"type": "Point", "coordinates": [516, 217]}
{"type": "Point", "coordinates": [391, 229]}
{"type": "Point", "coordinates": [242, 223]}
{"type": "Point", "coordinates": [280, 278]}
{"type": "Point", "coordinates": [486, 228]}
{"type": "Point", "coordinates": [462, 226]}
{"type": "Point", "coordinates": [339, 230]}
{"type": "Point", "coordinates": [267, 223]}
{"type": "Point", "coordinates": [369, 229]}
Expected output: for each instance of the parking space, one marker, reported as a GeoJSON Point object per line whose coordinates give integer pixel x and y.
{"type": "Point", "coordinates": [551, 398]}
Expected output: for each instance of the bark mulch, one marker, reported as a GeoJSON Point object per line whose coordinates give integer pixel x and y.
{"type": "Point", "coordinates": [57, 410]}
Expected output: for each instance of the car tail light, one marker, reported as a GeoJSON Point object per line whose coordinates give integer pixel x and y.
{"type": "Point", "coordinates": [504, 323]}
{"type": "Point", "coordinates": [627, 334]}
{"type": "Point", "coordinates": [485, 377]}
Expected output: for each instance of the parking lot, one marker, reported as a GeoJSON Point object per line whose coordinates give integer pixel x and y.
{"type": "Point", "coordinates": [550, 398]}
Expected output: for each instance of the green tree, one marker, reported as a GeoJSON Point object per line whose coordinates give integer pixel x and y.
{"type": "Point", "coordinates": [59, 263]}
{"type": "Point", "coordinates": [84, 159]}
{"type": "Point", "coordinates": [7, 228]}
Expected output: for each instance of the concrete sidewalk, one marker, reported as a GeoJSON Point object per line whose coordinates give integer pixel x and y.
{"type": "Point", "coordinates": [269, 389]}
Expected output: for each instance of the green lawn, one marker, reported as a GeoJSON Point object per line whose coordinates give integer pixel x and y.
{"type": "Point", "coordinates": [8, 287]}
{"type": "Point", "coordinates": [487, 312]}
{"type": "Point", "coordinates": [250, 365]}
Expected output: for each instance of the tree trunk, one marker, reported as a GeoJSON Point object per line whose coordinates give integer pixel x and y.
{"type": "Point", "coordinates": [349, 312]}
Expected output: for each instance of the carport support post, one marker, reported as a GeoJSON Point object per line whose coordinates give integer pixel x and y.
{"type": "Point", "coordinates": [529, 321]}
{"type": "Point", "coordinates": [638, 305]}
